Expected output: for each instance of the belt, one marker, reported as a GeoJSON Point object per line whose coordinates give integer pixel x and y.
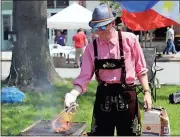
{"type": "Point", "coordinates": [113, 82]}
{"type": "Point", "coordinates": [117, 82]}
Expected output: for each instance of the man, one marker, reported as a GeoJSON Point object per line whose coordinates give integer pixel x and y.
{"type": "Point", "coordinates": [170, 41]}
{"type": "Point", "coordinates": [79, 42]}
{"type": "Point", "coordinates": [116, 58]}
{"type": "Point", "coordinates": [165, 50]}
{"type": "Point", "coordinates": [59, 39]}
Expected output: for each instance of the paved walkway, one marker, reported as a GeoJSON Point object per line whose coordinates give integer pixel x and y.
{"type": "Point", "coordinates": [63, 72]}
{"type": "Point", "coordinates": [6, 55]}
{"type": "Point", "coordinates": [170, 74]}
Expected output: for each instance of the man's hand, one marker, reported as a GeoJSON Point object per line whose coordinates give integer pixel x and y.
{"type": "Point", "coordinates": [69, 99]}
{"type": "Point", "coordinates": [72, 96]}
{"type": "Point", "coordinates": [147, 101]}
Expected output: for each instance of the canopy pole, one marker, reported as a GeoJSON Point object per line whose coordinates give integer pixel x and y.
{"type": "Point", "coordinates": [50, 36]}
{"type": "Point", "coordinates": [53, 35]}
{"type": "Point", "coordinates": [141, 39]}
{"type": "Point", "coordinates": [151, 38]}
{"type": "Point", "coordinates": [145, 39]}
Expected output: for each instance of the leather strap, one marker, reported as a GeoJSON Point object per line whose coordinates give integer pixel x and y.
{"type": "Point", "coordinates": [123, 69]}
{"type": "Point", "coordinates": [95, 59]}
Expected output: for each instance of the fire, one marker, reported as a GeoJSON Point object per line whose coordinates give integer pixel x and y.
{"type": "Point", "coordinates": [65, 125]}
{"type": "Point", "coordinates": [65, 120]}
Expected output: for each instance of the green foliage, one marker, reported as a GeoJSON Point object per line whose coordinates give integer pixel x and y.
{"type": "Point", "coordinates": [38, 106]}
{"type": "Point", "coordinates": [115, 6]}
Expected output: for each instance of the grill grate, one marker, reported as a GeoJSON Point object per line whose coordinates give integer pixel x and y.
{"type": "Point", "coordinates": [44, 128]}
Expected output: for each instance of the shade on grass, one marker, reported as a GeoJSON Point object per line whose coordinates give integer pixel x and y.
{"type": "Point", "coordinates": [16, 117]}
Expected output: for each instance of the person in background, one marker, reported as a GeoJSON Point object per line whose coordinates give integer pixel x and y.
{"type": "Point", "coordinates": [170, 41]}
{"type": "Point", "coordinates": [117, 60]}
{"type": "Point", "coordinates": [79, 42]}
{"type": "Point", "coordinates": [59, 39]}
{"type": "Point", "coordinates": [165, 50]}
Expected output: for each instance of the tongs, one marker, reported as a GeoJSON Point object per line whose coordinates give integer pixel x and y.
{"type": "Point", "coordinates": [67, 110]}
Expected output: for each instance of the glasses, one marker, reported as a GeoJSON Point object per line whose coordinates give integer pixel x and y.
{"type": "Point", "coordinates": [98, 28]}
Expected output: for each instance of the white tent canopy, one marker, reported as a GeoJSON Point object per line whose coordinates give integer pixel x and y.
{"type": "Point", "coordinates": [74, 16]}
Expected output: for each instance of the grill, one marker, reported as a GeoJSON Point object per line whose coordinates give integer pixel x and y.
{"type": "Point", "coordinates": [44, 128]}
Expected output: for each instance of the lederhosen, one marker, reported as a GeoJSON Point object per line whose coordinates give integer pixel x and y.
{"type": "Point", "coordinates": [116, 104]}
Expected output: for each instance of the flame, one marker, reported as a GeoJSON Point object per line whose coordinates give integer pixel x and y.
{"type": "Point", "coordinates": [65, 119]}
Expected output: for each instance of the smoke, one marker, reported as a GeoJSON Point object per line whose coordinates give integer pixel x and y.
{"type": "Point", "coordinates": [47, 104]}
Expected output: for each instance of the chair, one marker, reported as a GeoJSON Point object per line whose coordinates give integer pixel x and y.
{"type": "Point", "coordinates": [150, 57]}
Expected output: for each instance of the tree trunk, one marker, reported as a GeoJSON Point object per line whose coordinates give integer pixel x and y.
{"type": "Point", "coordinates": [31, 65]}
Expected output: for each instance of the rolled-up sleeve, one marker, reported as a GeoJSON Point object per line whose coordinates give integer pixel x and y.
{"type": "Point", "coordinates": [140, 63]}
{"type": "Point", "coordinates": [87, 70]}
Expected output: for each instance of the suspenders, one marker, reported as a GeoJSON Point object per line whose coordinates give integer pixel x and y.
{"type": "Point", "coordinates": [121, 61]}
{"type": "Point", "coordinates": [123, 70]}
{"type": "Point", "coordinates": [95, 60]}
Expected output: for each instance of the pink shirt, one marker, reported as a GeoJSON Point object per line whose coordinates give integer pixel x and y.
{"type": "Point", "coordinates": [134, 60]}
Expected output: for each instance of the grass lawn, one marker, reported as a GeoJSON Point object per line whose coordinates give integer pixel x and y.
{"type": "Point", "coordinates": [16, 117]}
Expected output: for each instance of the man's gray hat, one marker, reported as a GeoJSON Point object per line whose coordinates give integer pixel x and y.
{"type": "Point", "coordinates": [102, 16]}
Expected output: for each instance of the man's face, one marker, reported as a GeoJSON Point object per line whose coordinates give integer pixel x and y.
{"type": "Point", "coordinates": [58, 33]}
{"type": "Point", "coordinates": [104, 31]}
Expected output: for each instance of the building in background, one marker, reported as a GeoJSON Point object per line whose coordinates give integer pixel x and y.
{"type": "Point", "coordinates": [53, 7]}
